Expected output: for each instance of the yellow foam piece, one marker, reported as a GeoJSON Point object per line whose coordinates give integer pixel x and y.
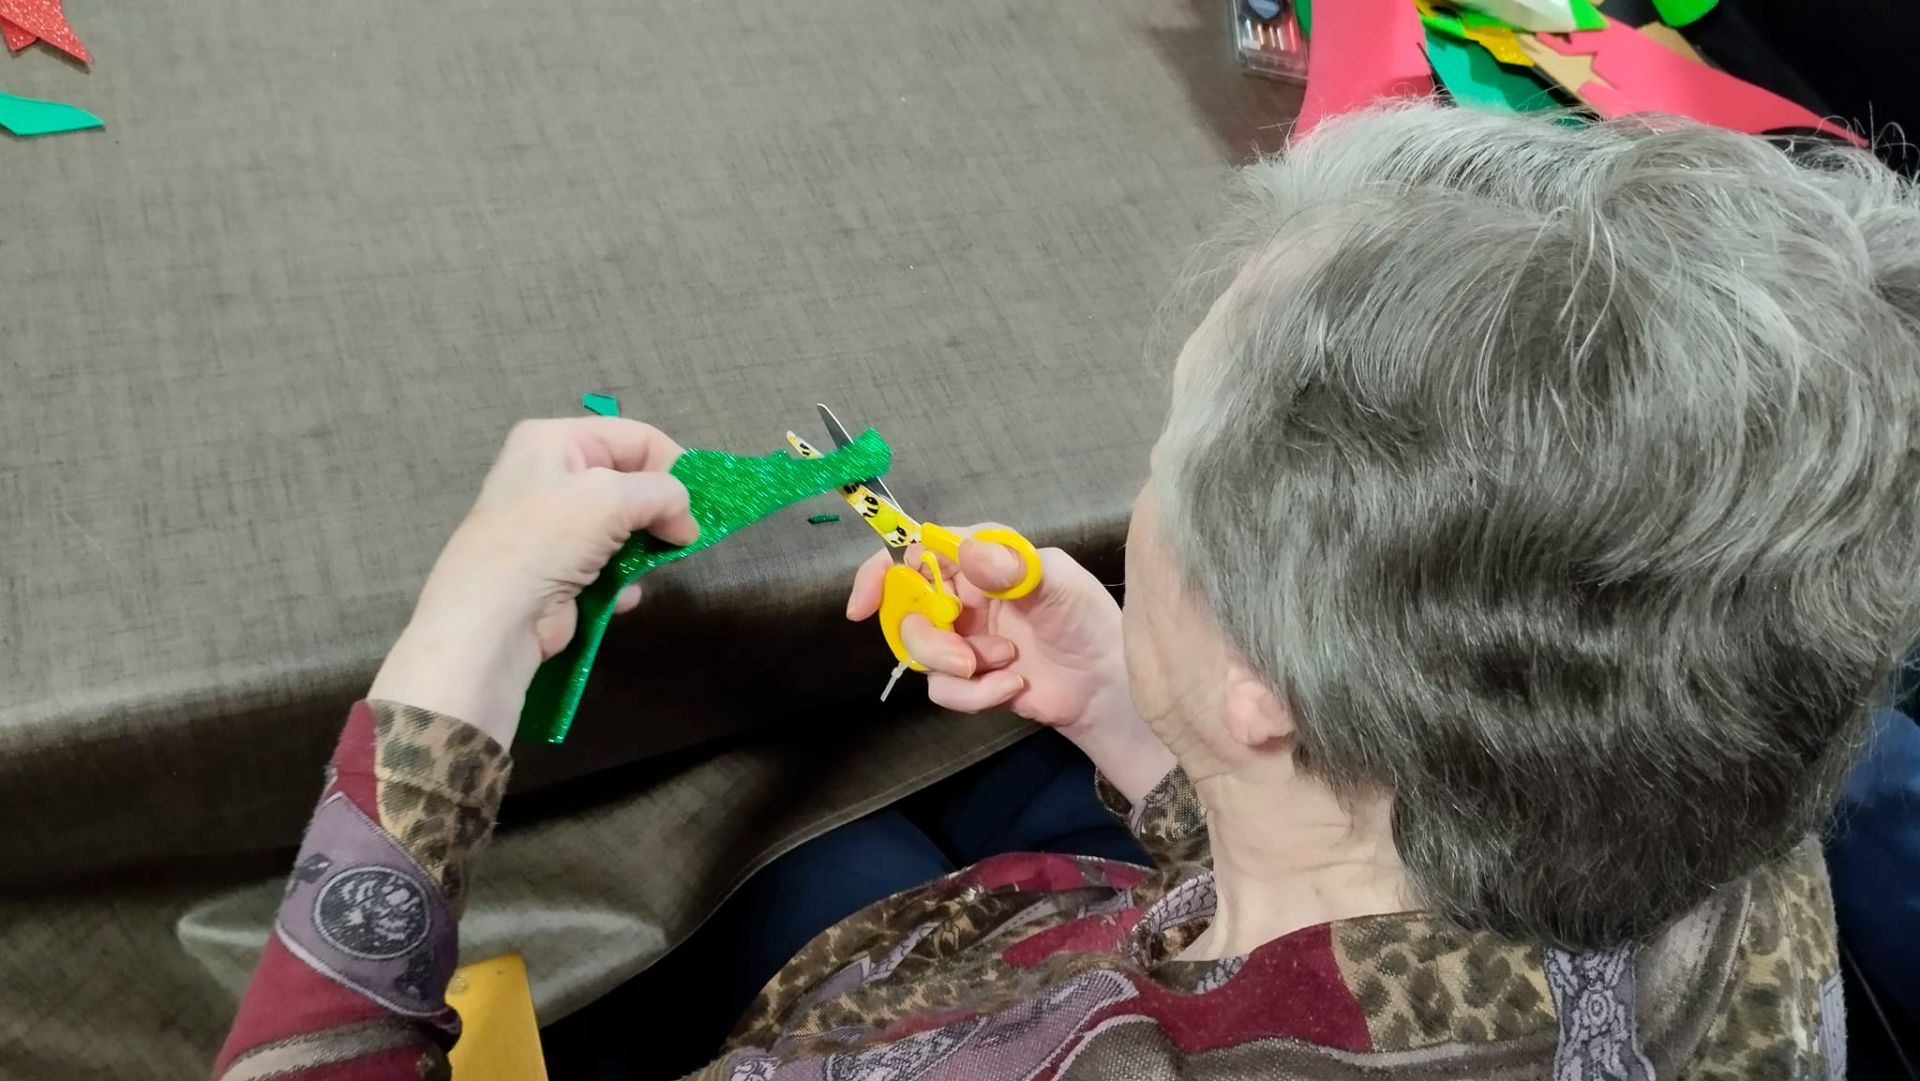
{"type": "Point", "coordinates": [499, 1035]}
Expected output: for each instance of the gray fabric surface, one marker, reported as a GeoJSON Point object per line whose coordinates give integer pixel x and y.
{"type": "Point", "coordinates": [261, 336]}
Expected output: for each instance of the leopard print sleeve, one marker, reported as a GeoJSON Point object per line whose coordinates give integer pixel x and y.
{"type": "Point", "coordinates": [440, 782]}
{"type": "Point", "coordinates": [1169, 821]}
{"type": "Point", "coordinates": [352, 981]}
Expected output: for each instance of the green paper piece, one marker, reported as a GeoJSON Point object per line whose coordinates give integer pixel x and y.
{"type": "Point", "coordinates": [1586, 16]}
{"type": "Point", "coordinates": [1454, 24]}
{"type": "Point", "coordinates": [822, 519]}
{"type": "Point", "coordinates": [727, 492]}
{"type": "Point", "coordinates": [1303, 14]}
{"type": "Point", "coordinates": [1478, 81]}
{"type": "Point", "coordinates": [1682, 12]}
{"type": "Point", "coordinates": [604, 404]}
{"type": "Point", "coordinates": [25, 116]}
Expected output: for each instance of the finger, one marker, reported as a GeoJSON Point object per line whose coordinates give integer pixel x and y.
{"type": "Point", "coordinates": [973, 695]}
{"type": "Point", "coordinates": [992, 651]}
{"type": "Point", "coordinates": [940, 651]}
{"type": "Point", "coordinates": [629, 446]}
{"type": "Point", "coordinates": [629, 598]}
{"type": "Point", "coordinates": [655, 503]}
{"type": "Point", "coordinates": [989, 566]}
{"type": "Point", "coordinates": [869, 584]}
{"type": "Point", "coordinates": [916, 557]}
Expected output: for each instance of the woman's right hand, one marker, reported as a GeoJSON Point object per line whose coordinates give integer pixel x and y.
{"type": "Point", "coordinates": [1053, 656]}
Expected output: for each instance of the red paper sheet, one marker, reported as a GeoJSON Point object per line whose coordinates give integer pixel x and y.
{"type": "Point", "coordinates": [41, 19]}
{"type": "Point", "coordinates": [17, 39]}
{"type": "Point", "coordinates": [1362, 50]}
{"type": "Point", "coordinates": [1640, 75]}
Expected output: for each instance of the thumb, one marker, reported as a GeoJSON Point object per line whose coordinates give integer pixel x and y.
{"type": "Point", "coordinates": [650, 502]}
{"type": "Point", "coordinates": [992, 567]}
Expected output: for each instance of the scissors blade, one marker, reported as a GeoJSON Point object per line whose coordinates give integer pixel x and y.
{"type": "Point", "coordinates": [838, 431]}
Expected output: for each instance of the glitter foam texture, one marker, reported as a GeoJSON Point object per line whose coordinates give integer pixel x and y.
{"type": "Point", "coordinates": [42, 19]}
{"type": "Point", "coordinates": [726, 492]}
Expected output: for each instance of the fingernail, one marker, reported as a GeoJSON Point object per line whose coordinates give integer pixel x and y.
{"type": "Point", "coordinates": [1004, 559]}
{"type": "Point", "coordinates": [996, 651]}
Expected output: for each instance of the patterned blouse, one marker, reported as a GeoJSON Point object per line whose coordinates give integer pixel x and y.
{"type": "Point", "coordinates": [1043, 967]}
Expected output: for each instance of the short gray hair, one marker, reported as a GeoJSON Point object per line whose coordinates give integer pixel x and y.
{"type": "Point", "coordinates": [1564, 481]}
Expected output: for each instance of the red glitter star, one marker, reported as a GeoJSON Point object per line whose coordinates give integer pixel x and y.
{"type": "Point", "coordinates": [24, 21]}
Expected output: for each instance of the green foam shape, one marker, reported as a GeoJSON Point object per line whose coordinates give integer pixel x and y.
{"type": "Point", "coordinates": [1682, 12]}
{"type": "Point", "coordinates": [25, 116]}
{"type": "Point", "coordinates": [604, 404]}
{"type": "Point", "coordinates": [727, 492]}
{"type": "Point", "coordinates": [1586, 16]}
{"type": "Point", "coordinates": [1448, 23]}
{"type": "Point", "coordinates": [1303, 14]}
{"type": "Point", "coordinates": [1478, 81]}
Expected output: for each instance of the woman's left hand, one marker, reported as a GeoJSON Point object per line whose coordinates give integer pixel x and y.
{"type": "Point", "coordinates": [561, 499]}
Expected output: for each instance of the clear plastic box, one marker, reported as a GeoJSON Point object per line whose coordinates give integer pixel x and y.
{"type": "Point", "coordinates": [1275, 48]}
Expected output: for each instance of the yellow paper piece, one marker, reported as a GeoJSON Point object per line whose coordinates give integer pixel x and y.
{"type": "Point", "coordinates": [1668, 36]}
{"type": "Point", "coordinates": [499, 1036]}
{"type": "Point", "coordinates": [1488, 32]}
{"type": "Point", "coordinates": [1501, 42]}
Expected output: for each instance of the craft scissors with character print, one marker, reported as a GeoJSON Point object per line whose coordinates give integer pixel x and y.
{"type": "Point", "coordinates": [909, 589]}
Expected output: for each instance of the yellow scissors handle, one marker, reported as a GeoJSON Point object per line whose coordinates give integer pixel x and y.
{"type": "Point", "coordinates": [946, 542]}
{"type": "Point", "coordinates": [905, 593]}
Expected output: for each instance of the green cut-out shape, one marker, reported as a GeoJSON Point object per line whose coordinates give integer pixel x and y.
{"type": "Point", "coordinates": [1303, 14]}
{"type": "Point", "coordinates": [726, 492]}
{"type": "Point", "coordinates": [1586, 16]}
{"type": "Point", "coordinates": [25, 116]}
{"type": "Point", "coordinates": [822, 519]}
{"type": "Point", "coordinates": [1478, 81]}
{"type": "Point", "coordinates": [604, 404]}
{"type": "Point", "coordinates": [1682, 12]}
{"type": "Point", "coordinates": [1447, 22]}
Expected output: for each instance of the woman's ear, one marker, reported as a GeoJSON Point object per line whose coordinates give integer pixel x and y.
{"type": "Point", "coordinates": [1255, 714]}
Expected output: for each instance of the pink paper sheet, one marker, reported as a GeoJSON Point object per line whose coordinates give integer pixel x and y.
{"type": "Point", "coordinates": [1641, 75]}
{"type": "Point", "coordinates": [1362, 50]}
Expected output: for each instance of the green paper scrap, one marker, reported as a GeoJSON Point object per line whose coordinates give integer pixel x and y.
{"type": "Point", "coordinates": [604, 404]}
{"type": "Point", "coordinates": [727, 492]}
{"type": "Point", "coordinates": [1303, 14]}
{"type": "Point", "coordinates": [25, 116]}
{"type": "Point", "coordinates": [1478, 81]}
{"type": "Point", "coordinates": [1586, 16]}
{"type": "Point", "coordinates": [1453, 23]}
{"type": "Point", "coordinates": [1460, 21]}
{"type": "Point", "coordinates": [1682, 12]}
{"type": "Point", "coordinates": [822, 519]}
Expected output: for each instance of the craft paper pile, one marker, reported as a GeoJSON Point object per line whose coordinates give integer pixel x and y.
{"type": "Point", "coordinates": [1526, 56]}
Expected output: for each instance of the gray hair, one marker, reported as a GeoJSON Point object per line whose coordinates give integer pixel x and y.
{"type": "Point", "coordinates": [1563, 480]}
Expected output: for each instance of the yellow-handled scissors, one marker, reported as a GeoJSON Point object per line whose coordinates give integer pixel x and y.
{"type": "Point", "coordinates": [906, 590]}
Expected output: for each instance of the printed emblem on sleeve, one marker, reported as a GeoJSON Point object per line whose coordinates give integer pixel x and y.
{"type": "Point", "coordinates": [375, 913]}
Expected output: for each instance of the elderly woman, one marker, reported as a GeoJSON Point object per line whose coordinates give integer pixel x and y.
{"type": "Point", "coordinates": [1531, 529]}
